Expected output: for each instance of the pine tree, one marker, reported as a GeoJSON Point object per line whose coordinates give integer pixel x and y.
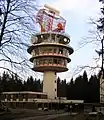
{"type": "Point", "coordinates": [70, 90]}
{"type": "Point", "coordinates": [85, 87]}
{"type": "Point", "coordinates": [58, 87]}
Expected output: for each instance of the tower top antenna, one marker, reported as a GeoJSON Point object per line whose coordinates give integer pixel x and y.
{"type": "Point", "coordinates": [57, 12]}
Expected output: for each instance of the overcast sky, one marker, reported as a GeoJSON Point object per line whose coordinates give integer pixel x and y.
{"type": "Point", "coordinates": [77, 13]}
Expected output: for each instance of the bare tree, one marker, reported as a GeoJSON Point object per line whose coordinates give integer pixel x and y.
{"type": "Point", "coordinates": [94, 37]}
{"type": "Point", "coordinates": [17, 25]}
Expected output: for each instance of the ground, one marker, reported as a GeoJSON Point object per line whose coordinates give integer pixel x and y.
{"type": "Point", "coordinates": [27, 114]}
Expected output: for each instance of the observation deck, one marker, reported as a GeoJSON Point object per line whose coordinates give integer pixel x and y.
{"type": "Point", "coordinates": [50, 51]}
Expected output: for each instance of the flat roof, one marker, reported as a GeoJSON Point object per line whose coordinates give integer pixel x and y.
{"type": "Point", "coordinates": [24, 92]}
{"type": "Point", "coordinates": [58, 101]}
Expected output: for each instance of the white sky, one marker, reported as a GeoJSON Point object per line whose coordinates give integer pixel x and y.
{"type": "Point", "coordinates": [77, 13]}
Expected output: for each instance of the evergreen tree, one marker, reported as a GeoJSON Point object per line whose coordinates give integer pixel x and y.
{"type": "Point", "coordinates": [5, 79]}
{"type": "Point", "coordinates": [70, 90]}
{"type": "Point", "coordinates": [85, 87]}
{"type": "Point", "coordinates": [58, 87]}
{"type": "Point", "coordinates": [79, 93]}
{"type": "Point", "coordinates": [94, 93]}
{"type": "Point", "coordinates": [39, 86]}
{"type": "Point", "coordinates": [18, 83]}
{"type": "Point", "coordinates": [63, 88]}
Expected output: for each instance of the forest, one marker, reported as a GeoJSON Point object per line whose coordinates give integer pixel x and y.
{"type": "Point", "coordinates": [81, 88]}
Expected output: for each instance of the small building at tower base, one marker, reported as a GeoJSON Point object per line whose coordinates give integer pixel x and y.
{"type": "Point", "coordinates": [35, 100]}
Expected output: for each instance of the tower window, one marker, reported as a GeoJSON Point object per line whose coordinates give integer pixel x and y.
{"type": "Point", "coordinates": [59, 61]}
{"type": "Point", "coordinates": [41, 61]}
{"type": "Point", "coordinates": [55, 81]}
{"type": "Point", "coordinates": [37, 51]}
{"type": "Point", "coordinates": [60, 51]}
{"type": "Point", "coordinates": [54, 50]}
{"type": "Point", "coordinates": [37, 62]}
{"type": "Point", "coordinates": [55, 89]}
{"type": "Point", "coordinates": [50, 50]}
{"type": "Point", "coordinates": [55, 61]}
{"type": "Point", "coordinates": [45, 61]}
{"type": "Point", "coordinates": [50, 61]}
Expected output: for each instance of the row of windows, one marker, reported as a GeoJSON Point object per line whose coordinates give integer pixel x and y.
{"type": "Point", "coordinates": [18, 99]}
{"type": "Point", "coordinates": [49, 38]}
{"type": "Point", "coordinates": [50, 61]}
{"type": "Point", "coordinates": [47, 50]}
{"type": "Point", "coordinates": [10, 96]}
{"type": "Point", "coordinates": [21, 96]}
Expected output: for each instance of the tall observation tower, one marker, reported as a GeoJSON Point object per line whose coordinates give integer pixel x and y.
{"type": "Point", "coordinates": [50, 48]}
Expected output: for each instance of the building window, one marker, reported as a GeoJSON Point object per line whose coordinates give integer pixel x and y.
{"type": "Point", "coordinates": [38, 96]}
{"type": "Point", "coordinates": [11, 96]}
{"type": "Point", "coordinates": [55, 81]}
{"type": "Point", "coordinates": [2, 97]}
{"type": "Point", "coordinates": [6, 96]}
{"type": "Point", "coordinates": [23, 96]}
{"type": "Point", "coordinates": [55, 89]}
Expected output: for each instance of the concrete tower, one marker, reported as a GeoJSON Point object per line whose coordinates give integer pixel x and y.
{"type": "Point", "coordinates": [50, 49]}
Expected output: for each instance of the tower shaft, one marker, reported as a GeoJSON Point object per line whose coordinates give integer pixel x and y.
{"type": "Point", "coordinates": [50, 84]}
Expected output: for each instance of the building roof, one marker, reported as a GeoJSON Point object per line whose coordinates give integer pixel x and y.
{"type": "Point", "coordinates": [24, 92]}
